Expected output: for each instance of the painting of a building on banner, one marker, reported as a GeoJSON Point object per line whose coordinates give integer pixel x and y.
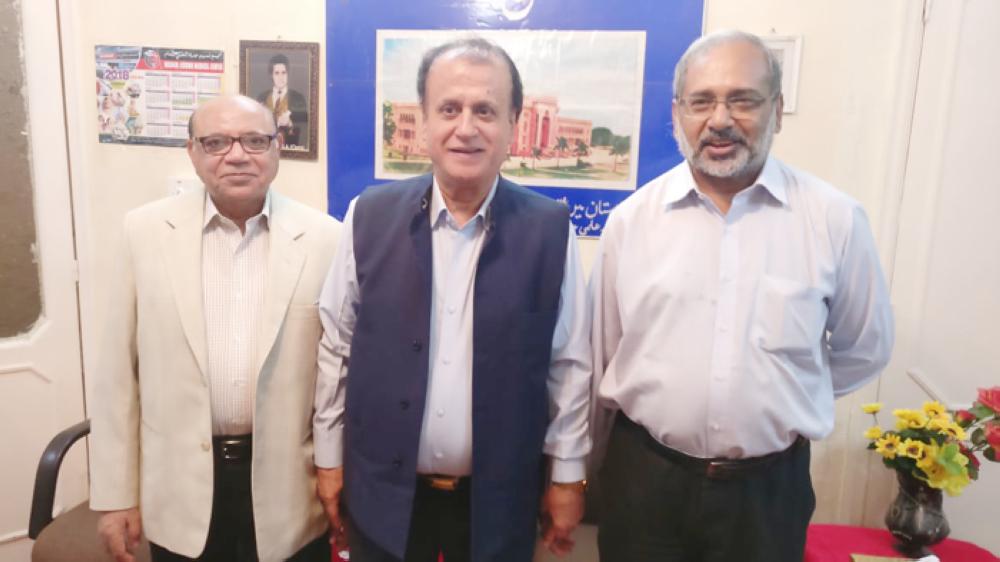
{"type": "Point", "coordinates": [582, 106]}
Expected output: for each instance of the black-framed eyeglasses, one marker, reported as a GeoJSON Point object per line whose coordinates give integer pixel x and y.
{"type": "Point", "coordinates": [742, 106]}
{"type": "Point", "coordinates": [252, 143]}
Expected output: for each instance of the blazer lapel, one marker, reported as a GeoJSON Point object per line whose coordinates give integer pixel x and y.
{"type": "Point", "coordinates": [420, 235]}
{"type": "Point", "coordinates": [182, 251]}
{"type": "Point", "coordinates": [284, 268]}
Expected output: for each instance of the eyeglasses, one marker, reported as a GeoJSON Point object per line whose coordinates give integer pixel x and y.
{"type": "Point", "coordinates": [252, 143]}
{"type": "Point", "coordinates": [739, 107]}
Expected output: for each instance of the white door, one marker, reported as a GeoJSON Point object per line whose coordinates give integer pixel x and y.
{"type": "Point", "coordinates": [41, 388]}
{"type": "Point", "coordinates": [947, 268]}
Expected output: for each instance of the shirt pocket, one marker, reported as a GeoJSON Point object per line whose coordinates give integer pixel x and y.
{"type": "Point", "coordinates": [789, 318]}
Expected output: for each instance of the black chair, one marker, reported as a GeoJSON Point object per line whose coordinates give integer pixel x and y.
{"type": "Point", "coordinates": [72, 536]}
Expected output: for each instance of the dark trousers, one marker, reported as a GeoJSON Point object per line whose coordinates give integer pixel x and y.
{"type": "Point", "coordinates": [231, 530]}
{"type": "Point", "coordinates": [654, 508]}
{"type": "Point", "coordinates": [439, 525]}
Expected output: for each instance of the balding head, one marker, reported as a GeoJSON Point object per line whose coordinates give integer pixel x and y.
{"type": "Point", "coordinates": [238, 177]}
{"type": "Point", "coordinates": [703, 45]}
{"type": "Point", "coordinates": [231, 100]}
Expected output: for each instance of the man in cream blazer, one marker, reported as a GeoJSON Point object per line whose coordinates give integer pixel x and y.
{"type": "Point", "coordinates": [201, 409]}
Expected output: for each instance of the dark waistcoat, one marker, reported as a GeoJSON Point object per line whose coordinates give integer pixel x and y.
{"type": "Point", "coordinates": [517, 289]}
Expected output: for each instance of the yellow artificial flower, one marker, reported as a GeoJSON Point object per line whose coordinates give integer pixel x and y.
{"type": "Point", "coordinates": [929, 460]}
{"type": "Point", "coordinates": [873, 432]}
{"type": "Point", "coordinates": [872, 408]}
{"type": "Point", "coordinates": [909, 419]}
{"type": "Point", "coordinates": [952, 484]}
{"type": "Point", "coordinates": [935, 474]}
{"type": "Point", "coordinates": [934, 409]}
{"type": "Point", "coordinates": [937, 424]}
{"type": "Point", "coordinates": [955, 431]}
{"type": "Point", "coordinates": [913, 449]}
{"type": "Point", "coordinates": [888, 445]}
{"type": "Point", "coordinates": [955, 483]}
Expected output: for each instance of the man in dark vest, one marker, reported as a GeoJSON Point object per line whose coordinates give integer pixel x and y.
{"type": "Point", "coordinates": [455, 363]}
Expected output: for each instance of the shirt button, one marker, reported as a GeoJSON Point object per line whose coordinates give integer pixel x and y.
{"type": "Point", "coordinates": [206, 446]}
{"type": "Point", "coordinates": [446, 361]}
{"type": "Point", "coordinates": [451, 309]}
{"type": "Point", "coordinates": [716, 427]}
{"type": "Point", "coordinates": [723, 329]}
{"type": "Point", "coordinates": [439, 455]}
{"type": "Point", "coordinates": [417, 346]}
{"type": "Point", "coordinates": [440, 412]}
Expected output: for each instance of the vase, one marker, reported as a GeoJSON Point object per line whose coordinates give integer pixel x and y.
{"type": "Point", "coordinates": [915, 517]}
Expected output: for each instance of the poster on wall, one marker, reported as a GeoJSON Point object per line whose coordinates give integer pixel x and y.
{"type": "Point", "coordinates": [597, 89]}
{"type": "Point", "coordinates": [567, 135]}
{"type": "Point", "coordinates": [284, 76]}
{"type": "Point", "coordinates": [145, 95]}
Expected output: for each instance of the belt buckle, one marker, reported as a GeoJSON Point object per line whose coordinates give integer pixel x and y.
{"type": "Point", "coordinates": [443, 483]}
{"type": "Point", "coordinates": [232, 450]}
{"type": "Point", "coordinates": [718, 470]}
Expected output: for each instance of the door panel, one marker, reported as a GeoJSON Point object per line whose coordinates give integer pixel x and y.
{"type": "Point", "coordinates": [41, 390]}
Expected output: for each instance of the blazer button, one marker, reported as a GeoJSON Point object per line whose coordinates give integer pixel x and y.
{"type": "Point", "coordinates": [397, 463]}
{"type": "Point", "coordinates": [417, 346]}
{"type": "Point", "coordinates": [206, 446]}
{"type": "Point", "coordinates": [404, 404]}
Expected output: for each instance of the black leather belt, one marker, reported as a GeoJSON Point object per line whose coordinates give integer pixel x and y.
{"type": "Point", "coordinates": [232, 449]}
{"type": "Point", "coordinates": [443, 482]}
{"type": "Point", "coordinates": [714, 468]}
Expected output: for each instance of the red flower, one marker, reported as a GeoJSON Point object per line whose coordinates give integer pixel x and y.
{"type": "Point", "coordinates": [992, 430]}
{"type": "Point", "coordinates": [964, 418]}
{"type": "Point", "coordinates": [973, 461]}
{"type": "Point", "coordinates": [990, 397]}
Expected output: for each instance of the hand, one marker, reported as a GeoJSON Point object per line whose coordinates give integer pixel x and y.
{"type": "Point", "coordinates": [562, 509]}
{"type": "Point", "coordinates": [329, 484]}
{"type": "Point", "coordinates": [121, 531]}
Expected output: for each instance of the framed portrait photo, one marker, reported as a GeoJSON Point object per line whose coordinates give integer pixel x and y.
{"type": "Point", "coordinates": [788, 50]}
{"type": "Point", "coordinates": [284, 76]}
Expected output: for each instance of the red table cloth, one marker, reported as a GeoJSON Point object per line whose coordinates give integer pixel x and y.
{"type": "Point", "coordinates": [836, 543]}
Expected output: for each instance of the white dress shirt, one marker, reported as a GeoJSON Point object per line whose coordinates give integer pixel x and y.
{"type": "Point", "coordinates": [234, 279]}
{"type": "Point", "coordinates": [446, 430]}
{"type": "Point", "coordinates": [730, 335]}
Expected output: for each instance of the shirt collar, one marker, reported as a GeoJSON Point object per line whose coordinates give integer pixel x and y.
{"type": "Point", "coordinates": [211, 211]}
{"type": "Point", "coordinates": [439, 211]}
{"type": "Point", "coordinates": [770, 179]}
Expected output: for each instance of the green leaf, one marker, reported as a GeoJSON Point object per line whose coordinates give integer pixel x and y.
{"type": "Point", "coordinates": [948, 460]}
{"type": "Point", "coordinates": [980, 411]}
{"type": "Point", "coordinates": [978, 437]}
{"type": "Point", "coordinates": [991, 454]}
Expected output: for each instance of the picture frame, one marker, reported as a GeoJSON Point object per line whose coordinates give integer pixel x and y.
{"type": "Point", "coordinates": [788, 50]}
{"type": "Point", "coordinates": [286, 73]}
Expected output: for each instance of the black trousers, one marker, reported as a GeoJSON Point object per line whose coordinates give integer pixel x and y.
{"type": "Point", "coordinates": [231, 530]}
{"type": "Point", "coordinates": [440, 525]}
{"type": "Point", "coordinates": [656, 509]}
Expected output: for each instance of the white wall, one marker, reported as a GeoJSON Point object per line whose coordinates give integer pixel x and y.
{"type": "Point", "coordinates": [947, 266]}
{"type": "Point", "coordinates": [852, 127]}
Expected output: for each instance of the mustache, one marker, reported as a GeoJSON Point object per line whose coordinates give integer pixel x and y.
{"type": "Point", "coordinates": [725, 135]}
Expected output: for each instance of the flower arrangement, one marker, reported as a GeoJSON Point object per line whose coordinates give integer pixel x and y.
{"type": "Point", "coordinates": [937, 447]}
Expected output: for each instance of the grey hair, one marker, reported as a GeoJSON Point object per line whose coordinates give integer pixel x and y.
{"type": "Point", "coordinates": [479, 49]}
{"type": "Point", "coordinates": [706, 42]}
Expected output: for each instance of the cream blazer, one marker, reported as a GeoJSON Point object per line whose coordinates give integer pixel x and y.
{"type": "Point", "coordinates": [151, 442]}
